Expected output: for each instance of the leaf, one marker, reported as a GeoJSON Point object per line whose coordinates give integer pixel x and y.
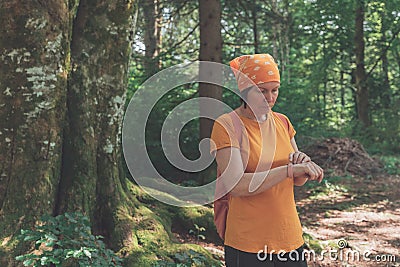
{"type": "Point", "coordinates": [54, 260]}
{"type": "Point", "coordinates": [87, 253]}
{"type": "Point", "coordinates": [51, 236]}
{"type": "Point", "coordinates": [49, 243]}
{"type": "Point", "coordinates": [29, 262]}
{"type": "Point", "coordinates": [20, 257]}
{"type": "Point", "coordinates": [29, 238]}
{"type": "Point", "coordinates": [43, 261]}
{"type": "Point", "coordinates": [77, 253]}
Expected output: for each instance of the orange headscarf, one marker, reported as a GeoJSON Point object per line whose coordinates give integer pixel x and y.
{"type": "Point", "coordinates": [254, 69]}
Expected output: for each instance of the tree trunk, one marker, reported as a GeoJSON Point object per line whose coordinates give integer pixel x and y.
{"type": "Point", "coordinates": [385, 91]}
{"type": "Point", "coordinates": [360, 73]}
{"type": "Point", "coordinates": [285, 46]}
{"type": "Point", "coordinates": [275, 30]}
{"type": "Point", "coordinates": [255, 29]}
{"type": "Point", "coordinates": [152, 36]}
{"type": "Point", "coordinates": [210, 50]}
{"type": "Point", "coordinates": [96, 95]}
{"type": "Point", "coordinates": [62, 130]}
{"type": "Point", "coordinates": [342, 91]}
{"type": "Point", "coordinates": [76, 190]}
{"type": "Point", "coordinates": [33, 80]}
{"type": "Point", "coordinates": [396, 55]}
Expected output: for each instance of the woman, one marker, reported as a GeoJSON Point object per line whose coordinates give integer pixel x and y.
{"type": "Point", "coordinates": [262, 227]}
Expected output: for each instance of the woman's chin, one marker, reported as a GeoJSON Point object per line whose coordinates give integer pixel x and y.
{"type": "Point", "coordinates": [266, 110]}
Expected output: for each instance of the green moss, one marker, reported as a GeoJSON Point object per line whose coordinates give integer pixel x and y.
{"type": "Point", "coordinates": [312, 243]}
{"type": "Point", "coordinates": [152, 240]}
{"type": "Point", "coordinates": [144, 225]}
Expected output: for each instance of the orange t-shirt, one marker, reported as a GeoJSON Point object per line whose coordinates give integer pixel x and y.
{"type": "Point", "coordinates": [269, 218]}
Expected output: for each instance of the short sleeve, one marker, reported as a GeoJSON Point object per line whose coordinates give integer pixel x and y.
{"type": "Point", "coordinates": [223, 134]}
{"type": "Point", "coordinates": [292, 131]}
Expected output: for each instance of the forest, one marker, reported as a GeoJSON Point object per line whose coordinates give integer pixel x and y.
{"type": "Point", "coordinates": [76, 77]}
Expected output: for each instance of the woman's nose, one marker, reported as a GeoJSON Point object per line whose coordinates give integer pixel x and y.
{"type": "Point", "coordinates": [268, 96]}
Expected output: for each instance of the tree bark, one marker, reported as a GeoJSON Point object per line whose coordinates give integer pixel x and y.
{"type": "Point", "coordinates": [33, 80]}
{"type": "Point", "coordinates": [91, 170]}
{"type": "Point", "coordinates": [255, 29]}
{"type": "Point", "coordinates": [385, 92]}
{"type": "Point", "coordinates": [152, 36]}
{"type": "Point", "coordinates": [360, 73]}
{"type": "Point", "coordinates": [286, 42]}
{"type": "Point", "coordinates": [61, 117]}
{"type": "Point", "coordinates": [210, 50]}
{"type": "Point", "coordinates": [275, 30]}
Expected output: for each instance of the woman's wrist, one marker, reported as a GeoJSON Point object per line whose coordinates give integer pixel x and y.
{"type": "Point", "coordinates": [290, 170]}
{"type": "Point", "coordinates": [299, 171]}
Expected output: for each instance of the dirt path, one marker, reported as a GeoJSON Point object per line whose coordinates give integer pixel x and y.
{"type": "Point", "coordinates": [364, 214]}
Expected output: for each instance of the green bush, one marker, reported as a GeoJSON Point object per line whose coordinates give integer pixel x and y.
{"type": "Point", "coordinates": [66, 240]}
{"type": "Point", "coordinates": [391, 164]}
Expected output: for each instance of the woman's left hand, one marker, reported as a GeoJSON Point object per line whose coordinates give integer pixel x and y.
{"type": "Point", "coordinates": [299, 157]}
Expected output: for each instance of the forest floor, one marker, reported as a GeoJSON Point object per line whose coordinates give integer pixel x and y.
{"type": "Point", "coordinates": [357, 213]}
{"type": "Point", "coordinates": [360, 214]}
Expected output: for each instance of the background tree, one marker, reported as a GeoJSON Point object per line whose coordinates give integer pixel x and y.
{"type": "Point", "coordinates": [152, 39]}
{"type": "Point", "coordinates": [360, 73]}
{"type": "Point", "coordinates": [210, 50]}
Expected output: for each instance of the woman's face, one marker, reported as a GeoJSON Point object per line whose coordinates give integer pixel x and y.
{"type": "Point", "coordinates": [263, 97]}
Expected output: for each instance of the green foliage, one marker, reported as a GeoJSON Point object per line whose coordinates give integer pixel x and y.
{"type": "Point", "coordinates": [314, 46]}
{"type": "Point", "coordinates": [197, 232]}
{"type": "Point", "coordinates": [391, 164]}
{"type": "Point", "coordinates": [330, 186]}
{"type": "Point", "coordinates": [185, 259]}
{"type": "Point", "coordinates": [66, 240]}
{"type": "Point", "coordinates": [312, 243]}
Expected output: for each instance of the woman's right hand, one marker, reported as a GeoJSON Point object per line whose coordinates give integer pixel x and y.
{"type": "Point", "coordinates": [308, 169]}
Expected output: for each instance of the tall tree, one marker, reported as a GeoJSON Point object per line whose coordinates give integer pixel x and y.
{"type": "Point", "coordinates": [210, 50]}
{"type": "Point", "coordinates": [385, 92]}
{"type": "Point", "coordinates": [360, 73]}
{"type": "Point", "coordinates": [254, 12]}
{"type": "Point", "coordinates": [33, 75]}
{"type": "Point", "coordinates": [63, 97]}
{"type": "Point", "coordinates": [152, 35]}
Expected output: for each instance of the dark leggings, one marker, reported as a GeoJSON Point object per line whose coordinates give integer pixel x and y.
{"type": "Point", "coordinates": [238, 258]}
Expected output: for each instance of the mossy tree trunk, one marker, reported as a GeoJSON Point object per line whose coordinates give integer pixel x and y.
{"type": "Point", "coordinates": [63, 79]}
{"type": "Point", "coordinates": [90, 179]}
{"type": "Point", "coordinates": [33, 80]}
